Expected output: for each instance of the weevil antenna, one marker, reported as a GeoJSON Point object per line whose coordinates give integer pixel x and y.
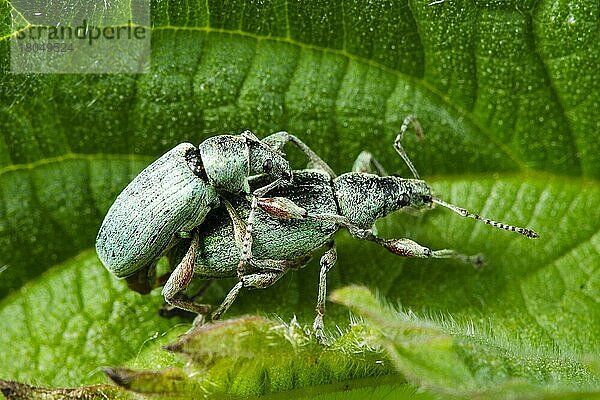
{"type": "Point", "coordinates": [411, 119]}
{"type": "Point", "coordinates": [461, 211]}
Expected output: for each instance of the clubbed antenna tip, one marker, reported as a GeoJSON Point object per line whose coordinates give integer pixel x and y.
{"type": "Point", "coordinates": [461, 211]}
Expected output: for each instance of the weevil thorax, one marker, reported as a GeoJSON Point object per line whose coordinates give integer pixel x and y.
{"type": "Point", "coordinates": [226, 162]}
{"type": "Point", "coordinates": [363, 198]}
{"type": "Point", "coordinates": [170, 196]}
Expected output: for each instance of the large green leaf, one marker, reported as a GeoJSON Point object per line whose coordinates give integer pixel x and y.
{"type": "Point", "coordinates": [441, 356]}
{"type": "Point", "coordinates": [507, 94]}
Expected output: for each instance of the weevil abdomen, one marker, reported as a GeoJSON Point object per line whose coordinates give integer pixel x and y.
{"type": "Point", "coordinates": [170, 196]}
{"type": "Point", "coordinates": [278, 239]}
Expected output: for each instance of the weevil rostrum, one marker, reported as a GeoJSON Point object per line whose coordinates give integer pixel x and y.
{"type": "Point", "coordinates": [173, 195]}
{"type": "Point", "coordinates": [259, 239]}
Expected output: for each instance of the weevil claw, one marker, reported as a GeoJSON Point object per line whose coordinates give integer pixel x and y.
{"type": "Point", "coordinates": [201, 319]}
{"type": "Point", "coordinates": [478, 261]}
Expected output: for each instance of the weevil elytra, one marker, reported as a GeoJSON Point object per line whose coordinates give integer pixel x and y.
{"type": "Point", "coordinates": [173, 195]}
{"type": "Point", "coordinates": [291, 225]}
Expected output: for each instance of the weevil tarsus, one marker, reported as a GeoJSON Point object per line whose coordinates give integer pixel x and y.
{"type": "Point", "coordinates": [267, 273]}
{"type": "Point", "coordinates": [328, 260]}
{"type": "Point", "coordinates": [409, 248]}
{"type": "Point", "coordinates": [367, 163]}
{"type": "Point", "coordinates": [180, 279]}
{"type": "Point", "coordinates": [258, 280]}
{"type": "Point", "coordinates": [169, 311]}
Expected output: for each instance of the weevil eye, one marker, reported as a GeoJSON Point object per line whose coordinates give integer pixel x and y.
{"type": "Point", "coordinates": [404, 200]}
{"type": "Point", "coordinates": [194, 162]}
{"type": "Point", "coordinates": [267, 165]}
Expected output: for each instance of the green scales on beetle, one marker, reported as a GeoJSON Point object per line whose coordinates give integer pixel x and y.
{"type": "Point", "coordinates": [206, 208]}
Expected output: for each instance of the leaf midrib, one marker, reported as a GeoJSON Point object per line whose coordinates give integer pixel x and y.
{"type": "Point", "coordinates": [472, 176]}
{"type": "Point", "coordinates": [75, 156]}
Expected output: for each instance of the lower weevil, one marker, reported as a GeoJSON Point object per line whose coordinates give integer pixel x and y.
{"type": "Point", "coordinates": [289, 227]}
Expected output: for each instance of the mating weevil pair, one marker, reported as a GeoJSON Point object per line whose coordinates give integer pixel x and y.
{"type": "Point", "coordinates": [173, 195]}
{"type": "Point", "coordinates": [255, 238]}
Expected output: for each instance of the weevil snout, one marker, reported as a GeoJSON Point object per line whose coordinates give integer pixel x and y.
{"type": "Point", "coordinates": [427, 200]}
{"type": "Point", "coordinates": [277, 167]}
{"type": "Point", "coordinates": [268, 161]}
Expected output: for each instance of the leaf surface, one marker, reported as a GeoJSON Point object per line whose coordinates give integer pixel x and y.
{"type": "Point", "coordinates": [507, 95]}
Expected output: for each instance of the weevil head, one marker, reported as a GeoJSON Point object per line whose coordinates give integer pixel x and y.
{"type": "Point", "coordinates": [265, 160]}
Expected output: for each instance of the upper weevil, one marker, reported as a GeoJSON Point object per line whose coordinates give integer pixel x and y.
{"type": "Point", "coordinates": [299, 219]}
{"type": "Point", "coordinates": [173, 195]}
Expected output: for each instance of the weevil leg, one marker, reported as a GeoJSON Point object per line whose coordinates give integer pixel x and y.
{"type": "Point", "coordinates": [248, 134]}
{"type": "Point", "coordinates": [277, 140]}
{"type": "Point", "coordinates": [366, 162]}
{"type": "Point", "coordinates": [242, 234]}
{"type": "Point", "coordinates": [170, 311]}
{"type": "Point", "coordinates": [410, 119]}
{"type": "Point", "coordinates": [327, 262]}
{"type": "Point", "coordinates": [246, 251]}
{"type": "Point", "coordinates": [409, 248]}
{"type": "Point", "coordinates": [184, 303]}
{"type": "Point", "coordinates": [239, 226]}
{"type": "Point", "coordinates": [402, 247]}
{"type": "Point", "coordinates": [259, 280]}
{"type": "Point", "coordinates": [180, 278]}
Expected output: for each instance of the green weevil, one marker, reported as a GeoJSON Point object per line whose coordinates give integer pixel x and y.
{"type": "Point", "coordinates": [289, 227]}
{"type": "Point", "coordinates": [173, 195]}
